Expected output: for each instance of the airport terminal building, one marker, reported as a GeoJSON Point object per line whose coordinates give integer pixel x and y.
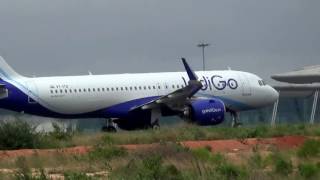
{"type": "Point", "coordinates": [298, 103]}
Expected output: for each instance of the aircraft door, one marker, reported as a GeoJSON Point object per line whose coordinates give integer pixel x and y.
{"type": "Point", "coordinates": [32, 91]}
{"type": "Point", "coordinates": [245, 85]}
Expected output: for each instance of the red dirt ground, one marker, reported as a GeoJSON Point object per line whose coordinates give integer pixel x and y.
{"type": "Point", "coordinates": [244, 145]}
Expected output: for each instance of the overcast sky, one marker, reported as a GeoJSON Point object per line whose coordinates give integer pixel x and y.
{"type": "Point", "coordinates": [70, 37]}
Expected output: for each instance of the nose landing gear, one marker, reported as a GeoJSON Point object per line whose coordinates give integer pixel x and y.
{"type": "Point", "coordinates": [235, 119]}
{"type": "Point", "coordinates": [110, 126]}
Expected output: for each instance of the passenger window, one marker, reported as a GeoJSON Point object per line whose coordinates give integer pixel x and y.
{"type": "Point", "coordinates": [172, 86]}
{"type": "Point", "coordinates": [144, 87]}
{"type": "Point", "coordinates": [121, 88]}
{"type": "Point", "coordinates": [140, 88]}
{"type": "Point", "coordinates": [89, 90]}
{"type": "Point", "coordinates": [56, 91]}
{"type": "Point", "coordinates": [79, 90]}
{"type": "Point", "coordinates": [94, 89]}
{"type": "Point", "coordinates": [178, 86]}
{"type": "Point", "coordinates": [70, 90]}
{"type": "Point", "coordinates": [75, 91]}
{"type": "Point", "coordinates": [98, 89]}
{"type": "Point", "coordinates": [130, 88]}
{"type": "Point", "coordinates": [51, 91]}
{"type": "Point", "coordinates": [159, 87]}
{"type": "Point", "coordinates": [61, 91]}
{"type": "Point", "coordinates": [66, 91]}
{"type": "Point", "coordinates": [84, 90]}
{"type": "Point", "coordinates": [149, 87]}
{"type": "Point", "coordinates": [103, 89]}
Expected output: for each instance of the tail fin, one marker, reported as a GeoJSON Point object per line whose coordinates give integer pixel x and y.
{"type": "Point", "coordinates": [6, 72]}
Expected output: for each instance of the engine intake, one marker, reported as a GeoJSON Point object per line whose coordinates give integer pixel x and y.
{"type": "Point", "coordinates": [206, 112]}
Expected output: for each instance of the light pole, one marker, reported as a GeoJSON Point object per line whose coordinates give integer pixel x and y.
{"type": "Point", "coordinates": [203, 45]}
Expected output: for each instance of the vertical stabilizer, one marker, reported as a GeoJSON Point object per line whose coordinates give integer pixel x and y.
{"type": "Point", "coordinates": [6, 72]}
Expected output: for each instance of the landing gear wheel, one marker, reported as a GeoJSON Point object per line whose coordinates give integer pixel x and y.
{"type": "Point", "coordinates": [110, 126]}
{"type": "Point", "coordinates": [236, 124]}
{"type": "Point", "coordinates": [110, 129]}
{"type": "Point", "coordinates": [155, 125]}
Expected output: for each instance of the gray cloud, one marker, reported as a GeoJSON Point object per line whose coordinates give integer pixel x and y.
{"type": "Point", "coordinates": [40, 37]}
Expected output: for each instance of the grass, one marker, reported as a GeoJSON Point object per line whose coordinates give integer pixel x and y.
{"type": "Point", "coordinates": [169, 160]}
{"type": "Point", "coordinates": [311, 148]}
{"type": "Point", "coordinates": [191, 132]}
{"type": "Point", "coordinates": [20, 135]}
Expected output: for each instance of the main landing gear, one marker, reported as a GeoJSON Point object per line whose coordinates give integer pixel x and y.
{"type": "Point", "coordinates": [235, 119]}
{"type": "Point", "coordinates": [155, 116]}
{"type": "Point", "coordinates": [155, 125]}
{"type": "Point", "coordinates": [110, 126]}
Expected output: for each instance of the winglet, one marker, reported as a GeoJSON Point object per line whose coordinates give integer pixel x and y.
{"type": "Point", "coordinates": [190, 72]}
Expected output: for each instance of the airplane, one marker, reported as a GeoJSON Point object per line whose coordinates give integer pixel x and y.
{"type": "Point", "coordinates": [137, 101]}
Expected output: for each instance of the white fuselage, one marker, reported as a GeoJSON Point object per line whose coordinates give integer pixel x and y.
{"type": "Point", "coordinates": [84, 94]}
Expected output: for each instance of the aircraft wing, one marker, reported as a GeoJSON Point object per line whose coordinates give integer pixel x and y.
{"type": "Point", "coordinates": [178, 97]}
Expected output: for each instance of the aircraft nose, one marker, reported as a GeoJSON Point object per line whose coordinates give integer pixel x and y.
{"type": "Point", "coordinates": [273, 95]}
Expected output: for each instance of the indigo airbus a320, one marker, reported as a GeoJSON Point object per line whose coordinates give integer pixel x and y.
{"type": "Point", "coordinates": [136, 101]}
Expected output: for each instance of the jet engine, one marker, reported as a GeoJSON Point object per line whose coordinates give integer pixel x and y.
{"type": "Point", "coordinates": [205, 112]}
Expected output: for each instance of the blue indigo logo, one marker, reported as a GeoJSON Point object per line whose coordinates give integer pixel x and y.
{"type": "Point", "coordinates": [216, 82]}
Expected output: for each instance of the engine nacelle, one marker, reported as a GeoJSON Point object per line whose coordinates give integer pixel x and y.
{"type": "Point", "coordinates": [206, 111]}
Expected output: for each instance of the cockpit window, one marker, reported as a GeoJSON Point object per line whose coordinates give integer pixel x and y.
{"type": "Point", "coordinates": [262, 82]}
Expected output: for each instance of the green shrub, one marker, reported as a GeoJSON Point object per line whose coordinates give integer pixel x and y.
{"type": "Point", "coordinates": [202, 154]}
{"type": "Point", "coordinates": [153, 168]}
{"type": "Point", "coordinates": [107, 152]}
{"type": "Point", "coordinates": [43, 175]}
{"type": "Point", "coordinates": [108, 140]}
{"type": "Point", "coordinates": [283, 166]}
{"type": "Point", "coordinates": [76, 176]}
{"type": "Point", "coordinates": [18, 135]}
{"type": "Point", "coordinates": [255, 132]}
{"type": "Point", "coordinates": [230, 171]}
{"type": "Point", "coordinates": [218, 158]}
{"type": "Point", "coordinates": [310, 148]}
{"type": "Point", "coordinates": [172, 173]}
{"type": "Point", "coordinates": [61, 133]}
{"type": "Point", "coordinates": [150, 167]}
{"type": "Point", "coordinates": [24, 171]}
{"type": "Point", "coordinates": [256, 161]}
{"type": "Point", "coordinates": [308, 170]}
